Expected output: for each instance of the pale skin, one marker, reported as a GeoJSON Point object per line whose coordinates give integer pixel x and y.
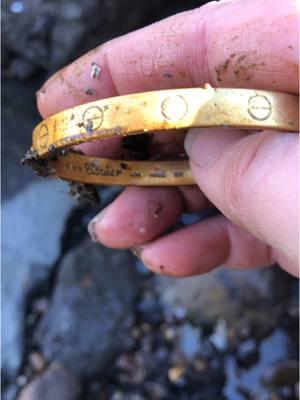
{"type": "Point", "coordinates": [251, 177]}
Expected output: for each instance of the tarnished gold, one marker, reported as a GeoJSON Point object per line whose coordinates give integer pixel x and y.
{"type": "Point", "coordinates": [163, 111]}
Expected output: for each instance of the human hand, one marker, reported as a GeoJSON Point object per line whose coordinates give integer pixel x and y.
{"type": "Point", "coordinates": [252, 178]}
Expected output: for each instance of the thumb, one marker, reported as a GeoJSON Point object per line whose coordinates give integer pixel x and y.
{"type": "Point", "coordinates": [253, 180]}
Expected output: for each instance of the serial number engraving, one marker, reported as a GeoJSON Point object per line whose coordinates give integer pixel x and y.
{"type": "Point", "coordinates": [158, 174]}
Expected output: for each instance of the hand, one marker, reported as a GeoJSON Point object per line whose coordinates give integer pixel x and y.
{"type": "Point", "coordinates": [252, 178]}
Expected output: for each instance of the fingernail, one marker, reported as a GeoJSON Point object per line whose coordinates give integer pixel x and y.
{"type": "Point", "coordinates": [188, 143]}
{"type": "Point", "coordinates": [200, 150]}
{"type": "Point", "coordinates": [92, 225]}
{"type": "Point", "coordinates": [205, 146]}
{"type": "Point", "coordinates": [137, 251]}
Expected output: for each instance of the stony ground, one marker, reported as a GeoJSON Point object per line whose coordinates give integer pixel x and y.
{"type": "Point", "coordinates": [83, 322]}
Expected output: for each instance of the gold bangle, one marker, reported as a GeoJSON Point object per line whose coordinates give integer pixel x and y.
{"type": "Point", "coordinates": [166, 111]}
{"type": "Point", "coordinates": [102, 171]}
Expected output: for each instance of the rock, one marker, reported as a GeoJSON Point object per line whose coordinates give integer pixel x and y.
{"type": "Point", "coordinates": [91, 309]}
{"type": "Point", "coordinates": [273, 351]}
{"type": "Point", "coordinates": [18, 100]}
{"type": "Point", "coordinates": [55, 383]}
{"type": "Point", "coordinates": [46, 34]}
{"type": "Point", "coordinates": [37, 361]}
{"type": "Point", "coordinates": [33, 223]}
{"type": "Point", "coordinates": [176, 374]}
{"type": "Point", "coordinates": [230, 295]}
{"type": "Point", "coordinates": [283, 373]}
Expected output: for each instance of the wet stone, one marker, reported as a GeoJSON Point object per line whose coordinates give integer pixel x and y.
{"type": "Point", "coordinates": [228, 295]}
{"type": "Point", "coordinates": [190, 341]}
{"type": "Point", "coordinates": [55, 383]}
{"type": "Point", "coordinates": [30, 248]}
{"type": "Point", "coordinates": [90, 314]}
{"type": "Point", "coordinates": [258, 381]}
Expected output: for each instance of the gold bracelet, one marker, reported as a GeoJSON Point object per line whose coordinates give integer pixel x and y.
{"type": "Point", "coordinates": [163, 111]}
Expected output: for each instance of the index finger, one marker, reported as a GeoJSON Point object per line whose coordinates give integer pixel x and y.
{"type": "Point", "coordinates": [232, 43]}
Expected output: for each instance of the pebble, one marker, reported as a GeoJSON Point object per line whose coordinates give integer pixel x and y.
{"type": "Point", "coordinates": [135, 333]}
{"type": "Point", "coordinates": [179, 313]}
{"type": "Point", "coordinates": [156, 391]}
{"type": "Point", "coordinates": [37, 361]}
{"type": "Point", "coordinates": [176, 374]}
{"type": "Point", "coordinates": [55, 383]}
{"type": "Point", "coordinates": [16, 7]}
{"type": "Point", "coordinates": [170, 334]}
{"type": "Point", "coordinates": [200, 364]}
{"type": "Point", "coordinates": [21, 380]}
{"type": "Point", "coordinates": [190, 340]}
{"type": "Point", "coordinates": [283, 373]}
{"type": "Point", "coordinates": [219, 337]}
{"type": "Point", "coordinates": [117, 396]}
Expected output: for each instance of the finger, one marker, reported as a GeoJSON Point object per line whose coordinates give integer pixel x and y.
{"type": "Point", "coordinates": [139, 215]}
{"type": "Point", "coordinates": [253, 180]}
{"type": "Point", "coordinates": [234, 43]}
{"type": "Point", "coordinates": [199, 248]}
{"type": "Point", "coordinates": [193, 199]}
{"type": "Point", "coordinates": [108, 148]}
